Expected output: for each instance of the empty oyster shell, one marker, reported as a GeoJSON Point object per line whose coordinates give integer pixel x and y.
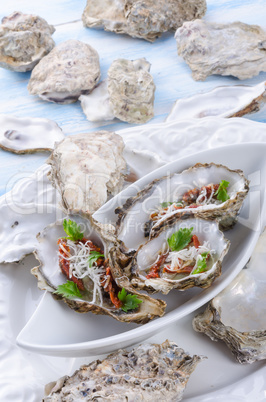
{"type": "Point", "coordinates": [144, 19]}
{"type": "Point", "coordinates": [164, 200]}
{"type": "Point", "coordinates": [237, 315]}
{"type": "Point", "coordinates": [139, 374]}
{"type": "Point", "coordinates": [95, 297]}
{"type": "Point", "coordinates": [229, 101]}
{"type": "Point", "coordinates": [72, 68]}
{"type": "Point", "coordinates": [242, 54]}
{"type": "Point", "coordinates": [24, 40]}
{"type": "Point", "coordinates": [158, 267]}
{"type": "Point", "coordinates": [28, 134]}
{"type": "Point", "coordinates": [86, 168]}
{"type": "Point", "coordinates": [128, 94]}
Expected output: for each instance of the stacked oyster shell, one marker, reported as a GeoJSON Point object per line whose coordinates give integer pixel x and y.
{"type": "Point", "coordinates": [24, 40]}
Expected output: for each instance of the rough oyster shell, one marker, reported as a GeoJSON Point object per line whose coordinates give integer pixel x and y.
{"type": "Point", "coordinates": [229, 101]}
{"type": "Point", "coordinates": [50, 276]}
{"type": "Point", "coordinates": [241, 55]}
{"type": "Point", "coordinates": [85, 168]}
{"type": "Point", "coordinates": [137, 209]}
{"type": "Point", "coordinates": [72, 68]}
{"type": "Point", "coordinates": [147, 254]}
{"type": "Point", "coordinates": [28, 134]}
{"type": "Point", "coordinates": [237, 315]}
{"type": "Point", "coordinates": [144, 19]}
{"type": "Point", "coordinates": [139, 374]}
{"type": "Point", "coordinates": [24, 40]}
{"type": "Point", "coordinates": [128, 94]}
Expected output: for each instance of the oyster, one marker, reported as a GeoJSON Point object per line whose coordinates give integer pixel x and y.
{"type": "Point", "coordinates": [128, 94]}
{"type": "Point", "coordinates": [81, 275]}
{"type": "Point", "coordinates": [86, 168]}
{"type": "Point", "coordinates": [186, 254]}
{"type": "Point", "coordinates": [28, 134]}
{"type": "Point", "coordinates": [144, 19]}
{"type": "Point", "coordinates": [242, 54]}
{"type": "Point", "coordinates": [192, 191]}
{"type": "Point", "coordinates": [149, 372]}
{"type": "Point", "coordinates": [237, 315]}
{"type": "Point", "coordinates": [24, 40]}
{"type": "Point", "coordinates": [72, 68]}
{"type": "Point", "coordinates": [229, 101]}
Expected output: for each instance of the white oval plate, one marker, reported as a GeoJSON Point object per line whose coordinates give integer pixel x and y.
{"type": "Point", "coordinates": [54, 329]}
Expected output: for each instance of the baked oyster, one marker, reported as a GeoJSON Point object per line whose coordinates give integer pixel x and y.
{"type": "Point", "coordinates": [186, 254]}
{"type": "Point", "coordinates": [207, 190]}
{"type": "Point", "coordinates": [149, 372]}
{"type": "Point", "coordinates": [237, 314]}
{"type": "Point", "coordinates": [76, 269]}
{"type": "Point", "coordinates": [128, 94]}
{"type": "Point", "coordinates": [242, 54]}
{"type": "Point", "coordinates": [144, 19]}
{"type": "Point", "coordinates": [72, 68]}
{"type": "Point", "coordinates": [24, 40]}
{"type": "Point", "coordinates": [87, 168]}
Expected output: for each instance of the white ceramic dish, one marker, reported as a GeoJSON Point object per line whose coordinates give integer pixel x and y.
{"type": "Point", "coordinates": [50, 333]}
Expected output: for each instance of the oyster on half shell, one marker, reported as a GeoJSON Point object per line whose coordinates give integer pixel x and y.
{"type": "Point", "coordinates": [24, 40]}
{"type": "Point", "coordinates": [127, 94]}
{"type": "Point", "coordinates": [72, 68]}
{"type": "Point", "coordinates": [243, 53]}
{"type": "Point", "coordinates": [180, 256]}
{"type": "Point", "coordinates": [98, 292]}
{"type": "Point", "coordinates": [237, 314]}
{"type": "Point", "coordinates": [87, 168]}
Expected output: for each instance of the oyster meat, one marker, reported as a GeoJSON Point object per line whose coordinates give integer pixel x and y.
{"type": "Point", "coordinates": [149, 372]}
{"type": "Point", "coordinates": [77, 270]}
{"type": "Point", "coordinates": [195, 191]}
{"type": "Point", "coordinates": [186, 254]}
{"type": "Point", "coordinates": [128, 94]}
{"type": "Point", "coordinates": [72, 68]}
{"type": "Point", "coordinates": [144, 19]}
{"type": "Point", "coordinates": [86, 168]}
{"type": "Point", "coordinates": [24, 40]}
{"type": "Point", "coordinates": [28, 134]}
{"type": "Point", "coordinates": [229, 101]}
{"type": "Point", "coordinates": [243, 53]}
{"type": "Point", "coordinates": [237, 315]}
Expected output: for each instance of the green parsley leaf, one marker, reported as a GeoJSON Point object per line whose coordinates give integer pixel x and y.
{"type": "Point", "coordinates": [93, 257]}
{"type": "Point", "coordinates": [130, 302]}
{"type": "Point", "coordinates": [166, 204]}
{"type": "Point", "coordinates": [72, 230]}
{"type": "Point", "coordinates": [202, 264]}
{"type": "Point", "coordinates": [221, 193]}
{"type": "Point", "coordinates": [180, 239]}
{"type": "Point", "coordinates": [68, 289]}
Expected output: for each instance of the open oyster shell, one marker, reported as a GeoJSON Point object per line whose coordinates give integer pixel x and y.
{"type": "Point", "coordinates": [242, 54]}
{"type": "Point", "coordinates": [86, 168]}
{"type": "Point", "coordinates": [95, 299]}
{"type": "Point", "coordinates": [209, 236]}
{"type": "Point", "coordinates": [139, 374]}
{"type": "Point", "coordinates": [138, 209]}
{"type": "Point", "coordinates": [144, 19]}
{"type": "Point", "coordinates": [128, 94]}
{"type": "Point", "coordinates": [237, 315]}
{"type": "Point", "coordinates": [229, 101]}
{"type": "Point", "coordinates": [72, 68]}
{"type": "Point", "coordinates": [24, 40]}
{"type": "Point", "coordinates": [28, 134]}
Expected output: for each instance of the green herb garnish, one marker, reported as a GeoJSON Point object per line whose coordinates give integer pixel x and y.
{"type": "Point", "coordinates": [72, 230]}
{"type": "Point", "coordinates": [93, 257]}
{"type": "Point", "coordinates": [130, 302]}
{"type": "Point", "coordinates": [221, 193]}
{"type": "Point", "coordinates": [180, 239]}
{"type": "Point", "coordinates": [68, 289]}
{"type": "Point", "coordinates": [201, 264]}
{"type": "Point", "coordinates": [166, 204]}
